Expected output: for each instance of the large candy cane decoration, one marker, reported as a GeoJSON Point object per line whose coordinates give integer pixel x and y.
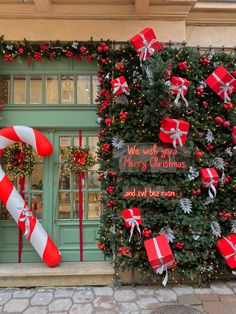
{"type": "Point", "coordinates": [15, 204]}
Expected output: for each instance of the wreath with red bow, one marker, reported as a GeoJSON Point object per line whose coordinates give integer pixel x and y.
{"type": "Point", "coordinates": [79, 159]}
{"type": "Point", "coordinates": [18, 160]}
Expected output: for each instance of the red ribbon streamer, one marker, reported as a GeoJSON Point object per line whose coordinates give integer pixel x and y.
{"type": "Point", "coordinates": [80, 178]}
{"type": "Point", "coordinates": [20, 238]}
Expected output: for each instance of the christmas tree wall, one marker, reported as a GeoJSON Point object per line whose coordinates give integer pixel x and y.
{"type": "Point", "coordinates": [195, 220]}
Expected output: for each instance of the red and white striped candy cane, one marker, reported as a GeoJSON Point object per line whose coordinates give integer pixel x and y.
{"type": "Point", "coordinates": [15, 204]}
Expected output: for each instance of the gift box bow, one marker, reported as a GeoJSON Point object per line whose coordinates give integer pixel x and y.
{"type": "Point", "coordinates": [225, 88]}
{"type": "Point", "coordinates": [26, 213]}
{"type": "Point", "coordinates": [123, 86]}
{"type": "Point", "coordinates": [175, 133]}
{"type": "Point", "coordinates": [80, 158]}
{"type": "Point", "coordinates": [209, 185]}
{"type": "Point", "coordinates": [164, 266]}
{"type": "Point", "coordinates": [233, 246]}
{"type": "Point", "coordinates": [146, 48]}
{"type": "Point", "coordinates": [132, 221]}
{"type": "Point", "coordinates": [180, 88]}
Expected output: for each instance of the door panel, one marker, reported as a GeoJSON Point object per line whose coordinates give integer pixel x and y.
{"type": "Point", "coordinates": [52, 192]}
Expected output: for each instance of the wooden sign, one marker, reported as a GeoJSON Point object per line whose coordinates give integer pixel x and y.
{"type": "Point", "coordinates": [149, 157]}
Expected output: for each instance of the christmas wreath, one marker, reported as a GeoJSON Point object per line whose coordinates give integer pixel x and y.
{"type": "Point", "coordinates": [18, 160]}
{"type": "Point", "coordinates": [79, 159]}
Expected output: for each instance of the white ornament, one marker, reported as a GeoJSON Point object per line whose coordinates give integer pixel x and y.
{"type": "Point", "coordinates": [99, 120]}
{"type": "Point", "coordinates": [218, 163]}
{"type": "Point", "coordinates": [75, 45]}
{"type": "Point", "coordinates": [149, 75]}
{"type": "Point", "coordinates": [216, 230]}
{"type": "Point", "coordinates": [209, 136]}
{"type": "Point", "coordinates": [169, 233]}
{"type": "Point", "coordinates": [208, 201]}
{"type": "Point", "coordinates": [196, 235]}
{"type": "Point", "coordinates": [186, 205]}
{"type": "Point", "coordinates": [193, 173]}
{"type": "Point", "coordinates": [9, 47]}
{"type": "Point", "coordinates": [233, 229]}
{"type": "Point", "coordinates": [117, 142]}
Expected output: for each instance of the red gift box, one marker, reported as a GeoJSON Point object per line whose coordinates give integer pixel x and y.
{"type": "Point", "coordinates": [227, 248]}
{"type": "Point", "coordinates": [234, 134]}
{"type": "Point", "coordinates": [174, 131]}
{"type": "Point", "coordinates": [120, 86]}
{"type": "Point", "coordinates": [145, 43]}
{"type": "Point", "coordinates": [179, 83]}
{"type": "Point", "coordinates": [130, 215]}
{"type": "Point", "coordinates": [222, 82]}
{"type": "Point", "coordinates": [159, 254]}
{"type": "Point", "coordinates": [209, 176]}
{"type": "Point", "coordinates": [210, 179]}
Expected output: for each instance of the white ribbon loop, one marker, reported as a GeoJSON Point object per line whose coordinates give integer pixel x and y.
{"type": "Point", "coordinates": [146, 48]}
{"type": "Point", "coordinates": [180, 92]}
{"type": "Point", "coordinates": [225, 87]}
{"type": "Point", "coordinates": [175, 134]}
{"type": "Point", "coordinates": [133, 222]}
{"type": "Point", "coordinates": [119, 85]}
{"type": "Point", "coordinates": [210, 185]}
{"type": "Point", "coordinates": [233, 246]}
{"type": "Point", "coordinates": [164, 266]}
{"type": "Point", "coordinates": [27, 213]}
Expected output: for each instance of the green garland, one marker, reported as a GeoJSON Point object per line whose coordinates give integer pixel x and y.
{"type": "Point", "coordinates": [18, 160]}
{"type": "Point", "coordinates": [79, 159]}
{"type": "Point", "coordinates": [193, 242]}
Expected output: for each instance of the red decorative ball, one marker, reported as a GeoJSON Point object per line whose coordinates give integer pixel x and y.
{"type": "Point", "coordinates": [219, 120]}
{"type": "Point", "coordinates": [106, 48]}
{"type": "Point", "coordinates": [228, 106]}
{"type": "Point", "coordinates": [226, 124]}
{"type": "Point", "coordinates": [234, 73]}
{"type": "Point", "coordinates": [205, 103]}
{"type": "Point", "coordinates": [101, 246]}
{"type": "Point", "coordinates": [83, 49]}
{"type": "Point", "coordinates": [199, 154]}
{"type": "Point", "coordinates": [183, 66]}
{"type": "Point", "coordinates": [99, 49]}
{"type": "Point", "coordinates": [200, 90]}
{"type": "Point", "coordinates": [108, 121]}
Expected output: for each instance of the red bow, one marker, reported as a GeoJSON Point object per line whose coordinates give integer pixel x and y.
{"type": "Point", "coordinates": [80, 158]}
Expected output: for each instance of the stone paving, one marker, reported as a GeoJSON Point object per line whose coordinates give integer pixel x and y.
{"type": "Point", "coordinates": [219, 298]}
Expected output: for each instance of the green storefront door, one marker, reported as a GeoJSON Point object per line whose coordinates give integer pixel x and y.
{"type": "Point", "coordinates": [57, 98]}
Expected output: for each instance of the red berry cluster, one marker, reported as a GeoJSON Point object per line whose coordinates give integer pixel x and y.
{"type": "Point", "coordinates": [101, 246]}
{"type": "Point", "coordinates": [7, 57]}
{"type": "Point", "coordinates": [220, 121]}
{"type": "Point", "coordinates": [209, 147]}
{"type": "Point", "coordinates": [204, 60]}
{"type": "Point", "coordinates": [198, 153]}
{"type": "Point", "coordinates": [110, 204]}
{"type": "Point", "coordinates": [123, 116]}
{"type": "Point", "coordinates": [69, 54]}
{"type": "Point", "coordinates": [196, 192]}
{"type": "Point", "coordinates": [37, 56]}
{"type": "Point", "coordinates": [123, 250]}
{"type": "Point", "coordinates": [102, 47]}
{"type": "Point", "coordinates": [183, 66]}
{"type": "Point", "coordinates": [146, 232]}
{"type": "Point", "coordinates": [106, 147]}
{"type": "Point", "coordinates": [200, 91]}
{"type": "Point", "coordinates": [228, 106]}
{"type": "Point", "coordinates": [120, 66]}
{"type": "Point", "coordinates": [225, 215]}
{"type": "Point", "coordinates": [110, 189]}
{"type": "Point", "coordinates": [180, 245]}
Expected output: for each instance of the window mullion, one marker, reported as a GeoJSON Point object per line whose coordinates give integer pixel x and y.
{"type": "Point", "coordinates": [59, 88]}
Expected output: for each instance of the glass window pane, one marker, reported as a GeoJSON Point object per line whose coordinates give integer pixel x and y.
{"type": "Point", "coordinates": [4, 213]}
{"type": "Point", "coordinates": [19, 90]}
{"type": "Point", "coordinates": [67, 89]}
{"type": "Point", "coordinates": [92, 143]}
{"type": "Point", "coordinates": [76, 205]}
{"type": "Point", "coordinates": [64, 178]}
{"type": "Point", "coordinates": [5, 89]}
{"type": "Point", "coordinates": [93, 205]}
{"type": "Point", "coordinates": [37, 204]}
{"type": "Point", "coordinates": [35, 90]}
{"type": "Point", "coordinates": [51, 89]}
{"type": "Point", "coordinates": [83, 89]}
{"type": "Point", "coordinates": [95, 87]}
{"type": "Point", "coordinates": [76, 141]}
{"type": "Point", "coordinates": [64, 205]}
{"type": "Point", "coordinates": [65, 142]}
{"type": "Point", "coordinates": [37, 177]}
{"type": "Point", "coordinates": [93, 182]}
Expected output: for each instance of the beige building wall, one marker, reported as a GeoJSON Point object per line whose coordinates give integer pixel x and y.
{"type": "Point", "coordinates": [193, 21]}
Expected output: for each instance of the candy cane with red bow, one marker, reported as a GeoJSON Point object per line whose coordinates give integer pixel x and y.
{"type": "Point", "coordinates": [15, 204]}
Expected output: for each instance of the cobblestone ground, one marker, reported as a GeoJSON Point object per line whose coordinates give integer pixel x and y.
{"type": "Point", "coordinates": [220, 298]}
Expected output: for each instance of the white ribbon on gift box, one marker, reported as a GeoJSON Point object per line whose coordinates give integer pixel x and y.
{"type": "Point", "coordinates": [147, 47]}
{"type": "Point", "coordinates": [225, 87]}
{"type": "Point", "coordinates": [210, 186]}
{"type": "Point", "coordinates": [180, 89]}
{"type": "Point", "coordinates": [133, 222]}
{"type": "Point", "coordinates": [233, 246]}
{"type": "Point", "coordinates": [123, 86]}
{"type": "Point", "coordinates": [27, 213]}
{"type": "Point", "coordinates": [163, 267]}
{"type": "Point", "coordinates": [175, 133]}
